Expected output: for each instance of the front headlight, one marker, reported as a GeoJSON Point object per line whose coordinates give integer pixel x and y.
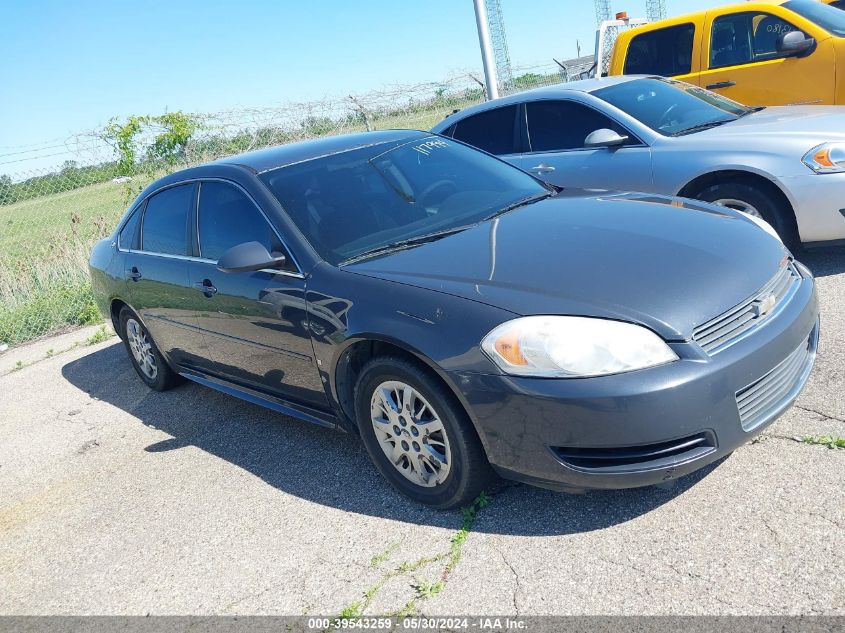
{"type": "Point", "coordinates": [572, 347]}
{"type": "Point", "coordinates": [828, 158]}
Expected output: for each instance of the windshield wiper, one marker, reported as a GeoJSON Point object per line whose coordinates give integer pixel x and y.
{"type": "Point", "coordinates": [392, 247]}
{"type": "Point", "coordinates": [403, 244]}
{"type": "Point", "coordinates": [702, 126]}
{"type": "Point", "coordinates": [519, 203]}
{"type": "Point", "coordinates": [750, 111]}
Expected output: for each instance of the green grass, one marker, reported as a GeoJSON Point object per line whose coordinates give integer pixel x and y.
{"type": "Point", "coordinates": [99, 336]}
{"type": "Point", "coordinates": [35, 228]}
{"type": "Point", "coordinates": [423, 590]}
{"type": "Point", "coordinates": [830, 441]}
{"type": "Point", "coordinates": [45, 241]}
{"type": "Point", "coordinates": [44, 247]}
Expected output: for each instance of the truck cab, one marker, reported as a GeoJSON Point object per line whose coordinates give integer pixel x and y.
{"type": "Point", "coordinates": [776, 52]}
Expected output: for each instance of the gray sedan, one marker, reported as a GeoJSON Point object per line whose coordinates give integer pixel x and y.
{"type": "Point", "coordinates": [785, 165]}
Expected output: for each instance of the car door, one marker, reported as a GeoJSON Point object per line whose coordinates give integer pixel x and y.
{"type": "Point", "coordinates": [496, 131]}
{"type": "Point", "coordinates": [557, 130]}
{"type": "Point", "coordinates": [255, 323]}
{"type": "Point", "coordinates": [742, 62]}
{"type": "Point", "coordinates": [156, 272]}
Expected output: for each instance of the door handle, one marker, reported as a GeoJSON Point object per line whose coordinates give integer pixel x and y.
{"type": "Point", "coordinates": [206, 287]}
{"type": "Point", "coordinates": [542, 168]}
{"type": "Point", "coordinates": [133, 273]}
{"type": "Point", "coordinates": [720, 84]}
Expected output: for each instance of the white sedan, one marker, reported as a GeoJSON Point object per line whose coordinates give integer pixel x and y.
{"type": "Point", "coordinates": [785, 165]}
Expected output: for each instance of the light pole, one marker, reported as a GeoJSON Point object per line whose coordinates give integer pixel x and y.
{"type": "Point", "coordinates": [490, 79]}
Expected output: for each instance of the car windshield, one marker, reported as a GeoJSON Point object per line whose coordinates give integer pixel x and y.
{"type": "Point", "coordinates": [828, 17]}
{"type": "Point", "coordinates": [367, 200]}
{"type": "Point", "coordinates": [671, 107]}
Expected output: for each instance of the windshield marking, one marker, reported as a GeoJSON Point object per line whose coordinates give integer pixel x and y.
{"type": "Point", "coordinates": [427, 147]}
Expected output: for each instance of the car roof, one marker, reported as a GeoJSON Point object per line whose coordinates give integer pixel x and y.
{"type": "Point", "coordinates": [273, 157]}
{"type": "Point", "coordinates": [545, 92]}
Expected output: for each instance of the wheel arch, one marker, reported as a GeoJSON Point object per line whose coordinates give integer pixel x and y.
{"type": "Point", "coordinates": [116, 304]}
{"type": "Point", "coordinates": [744, 176]}
{"type": "Point", "coordinates": [360, 349]}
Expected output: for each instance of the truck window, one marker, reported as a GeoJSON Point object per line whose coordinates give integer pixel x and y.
{"type": "Point", "coordinates": [829, 17]}
{"type": "Point", "coordinates": [743, 38]}
{"type": "Point", "coordinates": [666, 52]}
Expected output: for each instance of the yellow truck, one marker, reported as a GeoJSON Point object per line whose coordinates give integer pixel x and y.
{"type": "Point", "coordinates": [775, 52]}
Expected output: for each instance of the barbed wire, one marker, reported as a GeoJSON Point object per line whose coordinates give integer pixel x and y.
{"type": "Point", "coordinates": [52, 212]}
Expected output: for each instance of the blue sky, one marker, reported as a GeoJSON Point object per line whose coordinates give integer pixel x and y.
{"type": "Point", "coordinates": [70, 66]}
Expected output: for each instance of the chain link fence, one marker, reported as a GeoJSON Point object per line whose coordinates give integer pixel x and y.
{"type": "Point", "coordinates": [57, 199]}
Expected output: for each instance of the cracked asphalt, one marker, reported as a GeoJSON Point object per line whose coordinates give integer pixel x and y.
{"type": "Point", "coordinates": [118, 500]}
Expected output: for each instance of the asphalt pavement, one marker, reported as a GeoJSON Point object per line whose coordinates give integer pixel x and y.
{"type": "Point", "coordinates": [118, 500]}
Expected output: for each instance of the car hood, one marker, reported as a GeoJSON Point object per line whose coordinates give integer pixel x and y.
{"type": "Point", "coordinates": [816, 123]}
{"type": "Point", "coordinates": [665, 263]}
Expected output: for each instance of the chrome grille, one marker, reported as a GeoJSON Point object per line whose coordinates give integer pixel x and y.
{"type": "Point", "coordinates": [728, 327]}
{"type": "Point", "coordinates": [764, 397]}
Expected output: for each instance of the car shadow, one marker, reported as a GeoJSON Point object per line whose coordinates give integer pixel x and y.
{"type": "Point", "coordinates": [332, 468]}
{"type": "Point", "coordinates": [824, 261]}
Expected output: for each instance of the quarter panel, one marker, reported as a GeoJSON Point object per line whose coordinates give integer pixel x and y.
{"type": "Point", "coordinates": [107, 282]}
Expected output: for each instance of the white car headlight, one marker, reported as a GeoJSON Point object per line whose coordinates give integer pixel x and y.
{"type": "Point", "coordinates": [828, 158]}
{"type": "Point", "coordinates": [571, 347]}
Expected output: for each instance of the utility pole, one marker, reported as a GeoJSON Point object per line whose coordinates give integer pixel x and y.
{"type": "Point", "coordinates": [655, 10]}
{"type": "Point", "coordinates": [486, 50]}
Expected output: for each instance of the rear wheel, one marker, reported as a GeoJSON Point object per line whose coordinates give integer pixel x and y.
{"type": "Point", "coordinates": [145, 356]}
{"type": "Point", "coordinates": [757, 202]}
{"type": "Point", "coordinates": [418, 436]}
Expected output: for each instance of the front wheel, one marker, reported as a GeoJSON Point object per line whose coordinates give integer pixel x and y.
{"type": "Point", "coordinates": [418, 436]}
{"type": "Point", "coordinates": [756, 202]}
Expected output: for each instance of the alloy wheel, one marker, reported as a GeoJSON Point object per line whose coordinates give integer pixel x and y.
{"type": "Point", "coordinates": [739, 205]}
{"type": "Point", "coordinates": [141, 347]}
{"type": "Point", "coordinates": [411, 433]}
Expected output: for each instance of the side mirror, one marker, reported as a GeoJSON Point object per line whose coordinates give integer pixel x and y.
{"type": "Point", "coordinates": [247, 257]}
{"type": "Point", "coordinates": [794, 43]}
{"type": "Point", "coordinates": [605, 138]}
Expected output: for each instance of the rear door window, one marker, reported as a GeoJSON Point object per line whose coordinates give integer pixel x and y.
{"type": "Point", "coordinates": [227, 217]}
{"type": "Point", "coordinates": [666, 52]}
{"type": "Point", "coordinates": [564, 125]}
{"type": "Point", "coordinates": [495, 131]}
{"type": "Point", "coordinates": [128, 238]}
{"type": "Point", "coordinates": [165, 226]}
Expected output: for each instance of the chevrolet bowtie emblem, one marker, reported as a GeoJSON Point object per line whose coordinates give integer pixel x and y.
{"type": "Point", "coordinates": [762, 307]}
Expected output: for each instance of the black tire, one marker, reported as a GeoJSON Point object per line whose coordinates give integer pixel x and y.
{"type": "Point", "coordinates": [165, 378]}
{"type": "Point", "coordinates": [469, 472]}
{"type": "Point", "coordinates": [771, 208]}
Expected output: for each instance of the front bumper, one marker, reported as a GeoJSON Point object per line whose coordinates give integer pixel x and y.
{"type": "Point", "coordinates": [819, 204]}
{"type": "Point", "coordinates": [647, 426]}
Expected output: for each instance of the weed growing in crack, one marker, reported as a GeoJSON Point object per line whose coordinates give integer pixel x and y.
{"type": "Point", "coordinates": [426, 590]}
{"type": "Point", "coordinates": [99, 336]}
{"type": "Point", "coordinates": [422, 590]}
{"type": "Point", "coordinates": [382, 556]}
{"type": "Point", "coordinates": [830, 441]}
